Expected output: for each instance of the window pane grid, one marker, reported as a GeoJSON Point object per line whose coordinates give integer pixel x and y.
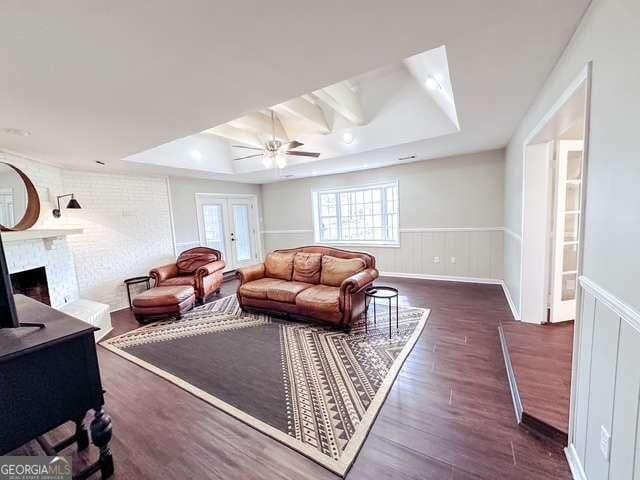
{"type": "Point", "coordinates": [360, 215]}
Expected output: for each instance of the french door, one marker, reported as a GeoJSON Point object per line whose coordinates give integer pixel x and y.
{"type": "Point", "coordinates": [229, 224]}
{"type": "Point", "coordinates": [566, 235]}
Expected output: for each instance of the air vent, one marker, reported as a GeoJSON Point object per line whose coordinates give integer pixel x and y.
{"type": "Point", "coordinates": [410, 157]}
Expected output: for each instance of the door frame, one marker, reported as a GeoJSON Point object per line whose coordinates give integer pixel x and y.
{"type": "Point", "coordinates": [255, 219]}
{"type": "Point", "coordinates": [583, 78]}
{"type": "Point", "coordinates": [540, 288]}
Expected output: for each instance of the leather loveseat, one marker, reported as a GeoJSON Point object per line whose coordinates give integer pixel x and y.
{"type": "Point", "coordinates": [200, 268]}
{"type": "Point", "coordinates": [316, 282]}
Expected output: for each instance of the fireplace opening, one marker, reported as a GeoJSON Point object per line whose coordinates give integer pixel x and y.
{"type": "Point", "coordinates": [32, 283]}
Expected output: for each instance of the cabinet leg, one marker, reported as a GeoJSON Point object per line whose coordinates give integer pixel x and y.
{"type": "Point", "coordinates": [82, 436]}
{"type": "Point", "coordinates": [101, 432]}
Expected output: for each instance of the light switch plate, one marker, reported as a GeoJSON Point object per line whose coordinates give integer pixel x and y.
{"type": "Point", "coordinates": [453, 259]}
{"type": "Point", "coordinates": [605, 442]}
{"type": "Point", "coordinates": [436, 259]}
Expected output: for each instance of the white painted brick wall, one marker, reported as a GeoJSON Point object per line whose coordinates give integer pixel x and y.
{"type": "Point", "coordinates": [53, 254]}
{"type": "Point", "coordinates": [127, 231]}
{"type": "Point", "coordinates": [126, 223]}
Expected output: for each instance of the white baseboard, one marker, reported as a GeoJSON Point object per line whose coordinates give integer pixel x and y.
{"type": "Point", "coordinates": [443, 278]}
{"type": "Point", "coordinates": [577, 472]}
{"type": "Point", "coordinates": [512, 306]}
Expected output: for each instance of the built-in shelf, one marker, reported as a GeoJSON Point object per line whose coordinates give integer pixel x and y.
{"type": "Point", "coordinates": [38, 233]}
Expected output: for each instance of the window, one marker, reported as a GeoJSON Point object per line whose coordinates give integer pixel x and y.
{"type": "Point", "coordinates": [367, 214]}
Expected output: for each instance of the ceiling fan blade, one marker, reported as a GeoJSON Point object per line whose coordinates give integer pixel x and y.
{"type": "Point", "coordinates": [249, 148]}
{"type": "Point", "coordinates": [291, 145]}
{"type": "Point", "coordinates": [303, 154]}
{"type": "Point", "coordinates": [248, 156]}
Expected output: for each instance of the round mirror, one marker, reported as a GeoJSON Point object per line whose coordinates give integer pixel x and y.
{"type": "Point", "coordinates": [19, 202]}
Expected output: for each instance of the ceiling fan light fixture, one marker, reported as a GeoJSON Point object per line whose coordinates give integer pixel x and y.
{"type": "Point", "coordinates": [431, 83]}
{"type": "Point", "coordinates": [281, 160]}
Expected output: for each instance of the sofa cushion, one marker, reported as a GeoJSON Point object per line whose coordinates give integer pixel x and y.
{"type": "Point", "coordinates": [179, 280]}
{"type": "Point", "coordinates": [306, 267]}
{"type": "Point", "coordinates": [319, 298]}
{"type": "Point", "coordinates": [258, 288]}
{"type": "Point", "coordinates": [189, 262]}
{"type": "Point", "coordinates": [279, 265]}
{"type": "Point", "coordinates": [286, 291]}
{"type": "Point", "coordinates": [336, 270]}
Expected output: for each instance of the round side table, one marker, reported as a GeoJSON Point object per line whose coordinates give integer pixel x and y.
{"type": "Point", "coordinates": [383, 293]}
{"type": "Point", "coordinates": [134, 281]}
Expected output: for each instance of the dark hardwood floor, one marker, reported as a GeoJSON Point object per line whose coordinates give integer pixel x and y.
{"type": "Point", "coordinates": [448, 416]}
{"type": "Point", "coordinates": [541, 361]}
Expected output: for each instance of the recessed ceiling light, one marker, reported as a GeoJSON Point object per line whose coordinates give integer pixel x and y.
{"type": "Point", "coordinates": [196, 154]}
{"type": "Point", "coordinates": [18, 132]}
{"type": "Point", "coordinates": [431, 83]}
{"type": "Point", "coordinates": [347, 137]}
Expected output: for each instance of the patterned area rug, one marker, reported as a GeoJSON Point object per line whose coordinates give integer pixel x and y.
{"type": "Point", "coordinates": [309, 386]}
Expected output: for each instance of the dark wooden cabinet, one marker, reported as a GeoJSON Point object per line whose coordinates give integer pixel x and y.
{"type": "Point", "coordinates": [49, 376]}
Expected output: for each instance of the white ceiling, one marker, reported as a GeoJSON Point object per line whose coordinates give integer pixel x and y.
{"type": "Point", "coordinates": [392, 106]}
{"type": "Point", "coordinates": [97, 80]}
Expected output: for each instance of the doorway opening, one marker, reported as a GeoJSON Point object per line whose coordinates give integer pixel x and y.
{"type": "Point", "coordinates": [539, 349]}
{"type": "Point", "coordinates": [553, 195]}
{"type": "Point", "coordinates": [229, 223]}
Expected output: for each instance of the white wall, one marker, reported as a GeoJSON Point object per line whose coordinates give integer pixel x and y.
{"type": "Point", "coordinates": [126, 227]}
{"type": "Point", "coordinates": [183, 201]}
{"type": "Point", "coordinates": [607, 388]}
{"type": "Point", "coordinates": [127, 231]}
{"type": "Point", "coordinates": [449, 207]}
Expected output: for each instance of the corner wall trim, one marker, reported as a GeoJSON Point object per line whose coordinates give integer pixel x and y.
{"type": "Point", "coordinates": [512, 306]}
{"type": "Point", "coordinates": [443, 278]}
{"type": "Point", "coordinates": [577, 472]}
{"type": "Point", "coordinates": [620, 308]}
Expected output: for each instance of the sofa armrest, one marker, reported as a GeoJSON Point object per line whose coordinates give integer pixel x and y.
{"type": "Point", "coordinates": [354, 284]}
{"type": "Point", "coordinates": [249, 274]}
{"type": "Point", "coordinates": [210, 268]}
{"type": "Point", "coordinates": [159, 274]}
{"type": "Point", "coordinates": [360, 280]}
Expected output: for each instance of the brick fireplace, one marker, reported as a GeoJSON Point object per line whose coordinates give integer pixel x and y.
{"type": "Point", "coordinates": [32, 283]}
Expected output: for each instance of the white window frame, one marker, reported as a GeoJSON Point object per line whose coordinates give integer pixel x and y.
{"type": "Point", "coordinates": [373, 243]}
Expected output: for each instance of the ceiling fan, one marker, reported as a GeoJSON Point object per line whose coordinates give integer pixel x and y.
{"type": "Point", "coordinates": [276, 151]}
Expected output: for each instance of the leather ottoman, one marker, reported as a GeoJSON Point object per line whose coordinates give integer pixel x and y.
{"type": "Point", "coordinates": [159, 302]}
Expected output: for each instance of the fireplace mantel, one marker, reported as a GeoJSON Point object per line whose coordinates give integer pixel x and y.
{"type": "Point", "coordinates": [38, 233]}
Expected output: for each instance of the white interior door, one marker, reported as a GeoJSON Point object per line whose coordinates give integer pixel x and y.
{"type": "Point", "coordinates": [229, 224]}
{"type": "Point", "coordinates": [566, 234]}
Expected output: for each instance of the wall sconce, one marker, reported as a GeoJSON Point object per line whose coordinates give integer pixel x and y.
{"type": "Point", "coordinates": [73, 203]}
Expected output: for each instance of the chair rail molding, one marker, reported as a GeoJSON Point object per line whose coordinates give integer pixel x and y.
{"type": "Point", "coordinates": [626, 312]}
{"type": "Point", "coordinates": [512, 234]}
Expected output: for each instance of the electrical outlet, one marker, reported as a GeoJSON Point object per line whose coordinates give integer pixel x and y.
{"type": "Point", "coordinates": [605, 442]}
{"type": "Point", "coordinates": [453, 259]}
{"type": "Point", "coordinates": [436, 259]}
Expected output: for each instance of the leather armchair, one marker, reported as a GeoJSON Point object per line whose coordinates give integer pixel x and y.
{"type": "Point", "coordinates": [200, 268]}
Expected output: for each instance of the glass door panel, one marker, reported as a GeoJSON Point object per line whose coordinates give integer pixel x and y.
{"type": "Point", "coordinates": [213, 223]}
{"type": "Point", "coordinates": [241, 233]}
{"type": "Point", "coordinates": [568, 193]}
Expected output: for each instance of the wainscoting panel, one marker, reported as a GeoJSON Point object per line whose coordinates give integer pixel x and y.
{"type": "Point", "coordinates": [463, 252]}
{"type": "Point", "coordinates": [607, 386]}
